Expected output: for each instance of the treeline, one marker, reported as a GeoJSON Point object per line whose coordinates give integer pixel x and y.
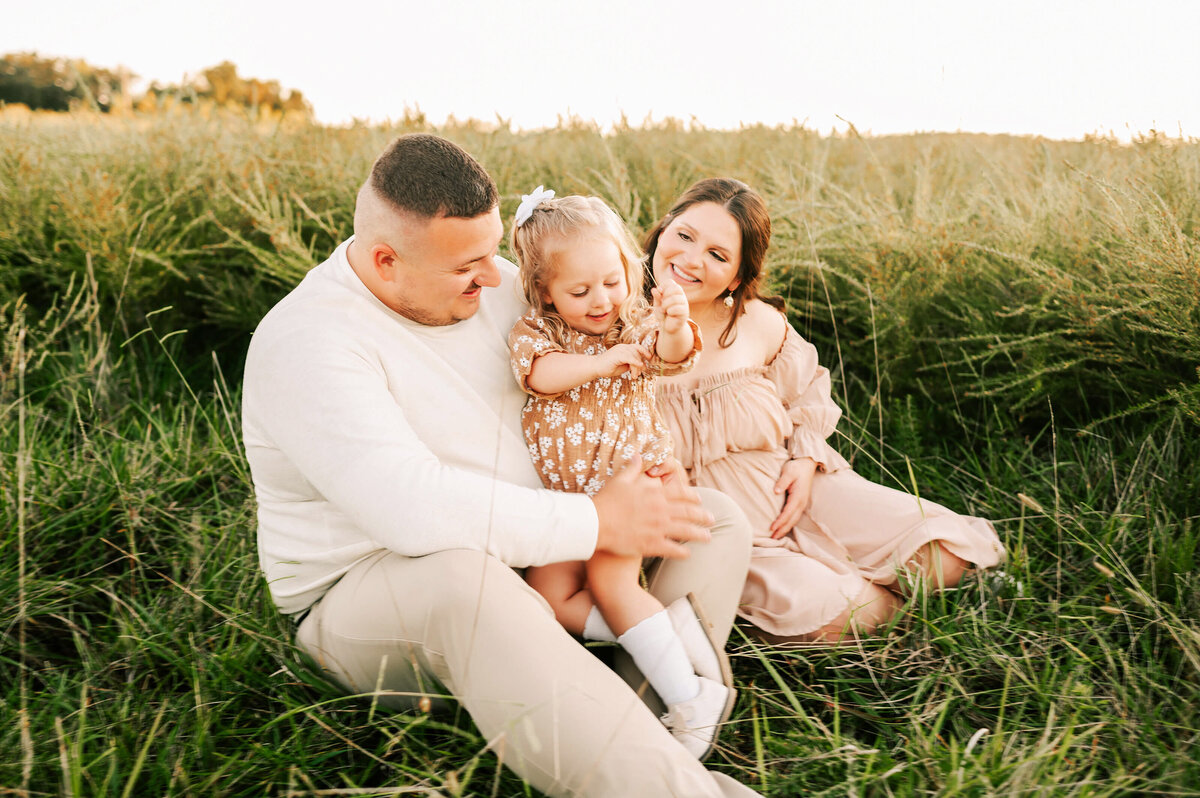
{"type": "Point", "coordinates": [58, 84]}
{"type": "Point", "coordinates": [64, 84]}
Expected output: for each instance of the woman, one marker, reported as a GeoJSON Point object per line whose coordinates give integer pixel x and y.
{"type": "Point", "coordinates": [836, 552]}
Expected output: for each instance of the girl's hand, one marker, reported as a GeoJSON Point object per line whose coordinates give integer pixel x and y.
{"type": "Point", "coordinates": [796, 478]}
{"type": "Point", "coordinates": [670, 307]}
{"type": "Point", "coordinates": [672, 474]}
{"type": "Point", "coordinates": [624, 357]}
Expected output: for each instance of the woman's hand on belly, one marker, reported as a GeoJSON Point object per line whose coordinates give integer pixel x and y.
{"type": "Point", "coordinates": [795, 479]}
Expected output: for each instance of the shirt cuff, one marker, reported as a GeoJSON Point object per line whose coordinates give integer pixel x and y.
{"type": "Point", "coordinates": [582, 525]}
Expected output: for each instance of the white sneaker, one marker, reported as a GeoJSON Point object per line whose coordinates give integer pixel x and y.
{"type": "Point", "coordinates": [708, 659]}
{"type": "Point", "coordinates": [695, 722]}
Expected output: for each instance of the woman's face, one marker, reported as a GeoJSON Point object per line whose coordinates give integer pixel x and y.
{"type": "Point", "coordinates": [701, 250]}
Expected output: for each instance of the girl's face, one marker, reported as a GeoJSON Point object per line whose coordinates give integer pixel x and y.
{"type": "Point", "coordinates": [588, 285]}
{"type": "Point", "coordinates": [701, 250]}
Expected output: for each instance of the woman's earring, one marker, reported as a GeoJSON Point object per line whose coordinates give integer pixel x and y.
{"type": "Point", "coordinates": [729, 300]}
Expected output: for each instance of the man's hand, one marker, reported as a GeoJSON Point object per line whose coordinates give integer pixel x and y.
{"type": "Point", "coordinates": [796, 478]}
{"type": "Point", "coordinates": [640, 516]}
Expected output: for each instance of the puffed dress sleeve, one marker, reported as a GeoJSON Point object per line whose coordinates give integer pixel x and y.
{"type": "Point", "coordinates": [804, 387]}
{"type": "Point", "coordinates": [527, 341]}
{"type": "Point", "coordinates": [647, 333]}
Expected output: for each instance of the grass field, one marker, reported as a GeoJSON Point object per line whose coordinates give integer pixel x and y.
{"type": "Point", "coordinates": [1014, 330]}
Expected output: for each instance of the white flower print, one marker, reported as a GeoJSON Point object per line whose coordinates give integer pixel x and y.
{"type": "Point", "coordinates": [580, 438]}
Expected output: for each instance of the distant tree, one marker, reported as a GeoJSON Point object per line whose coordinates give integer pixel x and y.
{"type": "Point", "coordinates": [222, 86]}
{"type": "Point", "coordinates": [59, 84]}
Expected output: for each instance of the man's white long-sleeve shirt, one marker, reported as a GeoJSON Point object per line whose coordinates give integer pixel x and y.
{"type": "Point", "coordinates": [365, 431]}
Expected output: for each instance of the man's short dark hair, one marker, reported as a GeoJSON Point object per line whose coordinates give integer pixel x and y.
{"type": "Point", "coordinates": [430, 176]}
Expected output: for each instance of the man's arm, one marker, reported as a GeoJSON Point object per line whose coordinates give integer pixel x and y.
{"type": "Point", "coordinates": [326, 407]}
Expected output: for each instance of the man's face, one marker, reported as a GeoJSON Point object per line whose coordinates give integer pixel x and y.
{"type": "Point", "coordinates": [443, 266]}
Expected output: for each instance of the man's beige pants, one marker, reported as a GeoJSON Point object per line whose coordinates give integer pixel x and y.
{"type": "Point", "coordinates": [463, 623]}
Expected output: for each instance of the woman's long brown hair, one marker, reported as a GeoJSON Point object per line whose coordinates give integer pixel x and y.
{"type": "Point", "coordinates": [750, 212]}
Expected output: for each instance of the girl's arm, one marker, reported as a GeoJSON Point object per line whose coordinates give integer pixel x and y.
{"type": "Point", "coordinates": [675, 339]}
{"type": "Point", "coordinates": [556, 372]}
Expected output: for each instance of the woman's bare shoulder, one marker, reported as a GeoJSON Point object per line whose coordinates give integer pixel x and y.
{"type": "Point", "coordinates": [766, 326]}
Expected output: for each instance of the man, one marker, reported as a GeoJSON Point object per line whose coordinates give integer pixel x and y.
{"type": "Point", "coordinates": [396, 494]}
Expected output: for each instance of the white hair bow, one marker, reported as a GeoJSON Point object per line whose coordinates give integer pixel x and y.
{"type": "Point", "coordinates": [531, 201]}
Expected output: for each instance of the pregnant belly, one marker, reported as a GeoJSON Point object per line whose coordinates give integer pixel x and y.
{"type": "Point", "coordinates": [749, 479]}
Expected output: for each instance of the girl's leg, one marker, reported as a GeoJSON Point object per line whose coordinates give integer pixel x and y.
{"type": "Point", "coordinates": [614, 585]}
{"type": "Point", "coordinates": [696, 706]}
{"type": "Point", "coordinates": [563, 585]}
{"type": "Point", "coordinates": [642, 626]}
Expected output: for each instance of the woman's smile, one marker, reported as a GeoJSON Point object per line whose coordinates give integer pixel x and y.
{"type": "Point", "coordinates": [683, 277]}
{"type": "Point", "coordinates": [701, 251]}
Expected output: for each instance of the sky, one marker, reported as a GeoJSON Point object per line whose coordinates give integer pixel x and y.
{"type": "Point", "coordinates": [1057, 69]}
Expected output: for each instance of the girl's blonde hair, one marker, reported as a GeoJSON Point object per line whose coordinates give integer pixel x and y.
{"type": "Point", "coordinates": [560, 221]}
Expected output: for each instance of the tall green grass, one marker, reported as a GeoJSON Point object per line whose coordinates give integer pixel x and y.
{"type": "Point", "coordinates": [986, 267]}
{"type": "Point", "coordinates": [1013, 327]}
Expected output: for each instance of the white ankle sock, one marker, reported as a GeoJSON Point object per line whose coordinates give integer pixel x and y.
{"type": "Point", "coordinates": [695, 640]}
{"type": "Point", "coordinates": [596, 628]}
{"type": "Point", "coordinates": [659, 655]}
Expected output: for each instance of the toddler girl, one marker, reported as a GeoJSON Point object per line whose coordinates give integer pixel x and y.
{"type": "Point", "coordinates": [587, 353]}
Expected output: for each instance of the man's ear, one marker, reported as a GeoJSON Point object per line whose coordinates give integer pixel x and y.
{"type": "Point", "coordinates": [385, 261]}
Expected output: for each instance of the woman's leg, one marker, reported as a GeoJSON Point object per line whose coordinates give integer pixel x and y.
{"type": "Point", "coordinates": [875, 604]}
{"type": "Point", "coordinates": [872, 608]}
{"type": "Point", "coordinates": [933, 565]}
{"type": "Point", "coordinates": [896, 537]}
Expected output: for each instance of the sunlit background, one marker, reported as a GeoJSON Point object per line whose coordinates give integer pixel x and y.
{"type": "Point", "coordinates": [1057, 69]}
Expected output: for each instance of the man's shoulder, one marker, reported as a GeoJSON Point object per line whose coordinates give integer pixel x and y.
{"type": "Point", "coordinates": [505, 303]}
{"type": "Point", "coordinates": [510, 289]}
{"type": "Point", "coordinates": [316, 309]}
{"type": "Point", "coordinates": [507, 268]}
